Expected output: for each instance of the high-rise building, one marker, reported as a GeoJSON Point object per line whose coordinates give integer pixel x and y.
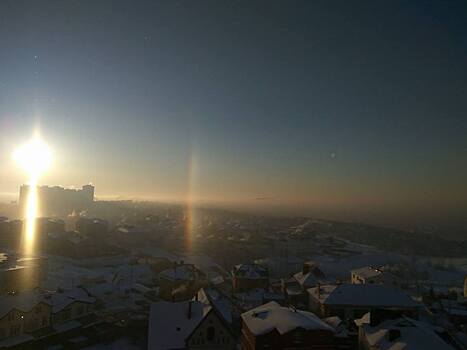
{"type": "Point", "coordinates": [58, 201]}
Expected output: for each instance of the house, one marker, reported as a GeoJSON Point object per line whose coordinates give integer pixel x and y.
{"type": "Point", "coordinates": [281, 266]}
{"type": "Point", "coordinates": [257, 297]}
{"type": "Point", "coordinates": [402, 333]}
{"type": "Point", "coordinates": [372, 275]}
{"type": "Point", "coordinates": [33, 315]}
{"type": "Point", "coordinates": [295, 288]}
{"type": "Point", "coordinates": [272, 326]}
{"type": "Point", "coordinates": [354, 300]}
{"type": "Point", "coordinates": [249, 276]}
{"type": "Point", "coordinates": [23, 313]}
{"type": "Point", "coordinates": [181, 282]}
{"type": "Point", "coordinates": [217, 300]}
{"type": "Point", "coordinates": [187, 325]}
{"type": "Point", "coordinates": [454, 310]}
{"type": "Point", "coordinates": [70, 304]}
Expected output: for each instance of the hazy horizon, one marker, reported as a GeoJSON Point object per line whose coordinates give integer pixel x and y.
{"type": "Point", "coordinates": [354, 112]}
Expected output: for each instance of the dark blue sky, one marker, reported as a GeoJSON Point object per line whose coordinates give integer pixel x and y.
{"type": "Point", "coordinates": [339, 108]}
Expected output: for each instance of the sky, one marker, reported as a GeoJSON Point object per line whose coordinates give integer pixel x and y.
{"type": "Point", "coordinates": [354, 110]}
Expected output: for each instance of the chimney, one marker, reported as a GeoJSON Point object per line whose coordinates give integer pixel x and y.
{"type": "Point", "coordinates": [189, 309]}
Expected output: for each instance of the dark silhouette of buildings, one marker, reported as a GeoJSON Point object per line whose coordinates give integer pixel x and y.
{"type": "Point", "coordinates": [58, 201]}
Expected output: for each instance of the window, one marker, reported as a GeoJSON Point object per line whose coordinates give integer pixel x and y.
{"type": "Point", "coordinates": [211, 333]}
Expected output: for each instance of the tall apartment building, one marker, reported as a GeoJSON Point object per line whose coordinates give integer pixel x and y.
{"type": "Point", "coordinates": [58, 201]}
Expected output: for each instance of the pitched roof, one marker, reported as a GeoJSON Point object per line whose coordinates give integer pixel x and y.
{"type": "Point", "coordinates": [252, 271]}
{"type": "Point", "coordinates": [307, 280]}
{"type": "Point", "coordinates": [272, 316]}
{"type": "Point", "coordinates": [169, 325]}
{"type": "Point", "coordinates": [24, 301]}
{"type": "Point", "coordinates": [213, 298]}
{"type": "Point", "coordinates": [185, 272]}
{"type": "Point", "coordinates": [363, 295]}
{"type": "Point", "coordinates": [368, 272]}
{"type": "Point", "coordinates": [410, 335]}
{"type": "Point", "coordinates": [59, 301]}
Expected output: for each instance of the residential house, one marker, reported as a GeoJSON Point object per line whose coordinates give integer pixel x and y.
{"type": "Point", "coordinates": [23, 313]}
{"type": "Point", "coordinates": [295, 288]}
{"type": "Point", "coordinates": [400, 333]}
{"type": "Point", "coordinates": [70, 304]}
{"type": "Point", "coordinates": [272, 326]}
{"type": "Point", "coordinates": [354, 300]}
{"type": "Point", "coordinates": [188, 325]}
{"type": "Point", "coordinates": [249, 276]}
{"type": "Point", "coordinates": [180, 282]}
{"type": "Point", "coordinates": [372, 275]}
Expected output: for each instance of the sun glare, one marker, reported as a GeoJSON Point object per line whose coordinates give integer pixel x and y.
{"type": "Point", "coordinates": [35, 158]}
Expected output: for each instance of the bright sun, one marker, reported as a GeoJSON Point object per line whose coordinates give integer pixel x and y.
{"type": "Point", "coordinates": [34, 157]}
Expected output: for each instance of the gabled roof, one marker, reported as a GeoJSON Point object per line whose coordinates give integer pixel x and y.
{"type": "Point", "coordinates": [272, 316]}
{"type": "Point", "coordinates": [213, 298]}
{"type": "Point", "coordinates": [169, 325]}
{"type": "Point", "coordinates": [59, 301]}
{"type": "Point", "coordinates": [409, 335]}
{"type": "Point", "coordinates": [362, 295]}
{"type": "Point", "coordinates": [251, 271]}
{"type": "Point", "coordinates": [185, 272]}
{"type": "Point", "coordinates": [24, 301]}
{"type": "Point", "coordinates": [307, 280]}
{"type": "Point", "coordinates": [368, 272]}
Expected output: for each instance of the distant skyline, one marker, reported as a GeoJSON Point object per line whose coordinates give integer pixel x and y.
{"type": "Point", "coordinates": [345, 110]}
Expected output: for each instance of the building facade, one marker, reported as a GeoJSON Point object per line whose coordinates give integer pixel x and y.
{"type": "Point", "coordinates": [249, 276]}
{"type": "Point", "coordinates": [58, 201]}
{"type": "Point", "coordinates": [372, 275]}
{"type": "Point", "coordinates": [272, 326]}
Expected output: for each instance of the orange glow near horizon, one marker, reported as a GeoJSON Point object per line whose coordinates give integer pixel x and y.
{"type": "Point", "coordinates": [188, 224]}
{"type": "Point", "coordinates": [35, 158]}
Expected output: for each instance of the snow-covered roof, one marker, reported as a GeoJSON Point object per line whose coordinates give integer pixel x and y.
{"type": "Point", "coordinates": [408, 334]}
{"type": "Point", "coordinates": [24, 301]}
{"type": "Point", "coordinates": [252, 271]}
{"type": "Point", "coordinates": [185, 272]}
{"type": "Point", "coordinates": [61, 300]}
{"type": "Point", "coordinates": [307, 280]}
{"type": "Point", "coordinates": [367, 272]}
{"type": "Point", "coordinates": [362, 295]}
{"type": "Point", "coordinates": [212, 297]}
{"type": "Point", "coordinates": [169, 325]}
{"type": "Point", "coordinates": [272, 316]}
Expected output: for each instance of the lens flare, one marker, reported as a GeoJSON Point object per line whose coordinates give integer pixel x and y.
{"type": "Point", "coordinates": [35, 158]}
